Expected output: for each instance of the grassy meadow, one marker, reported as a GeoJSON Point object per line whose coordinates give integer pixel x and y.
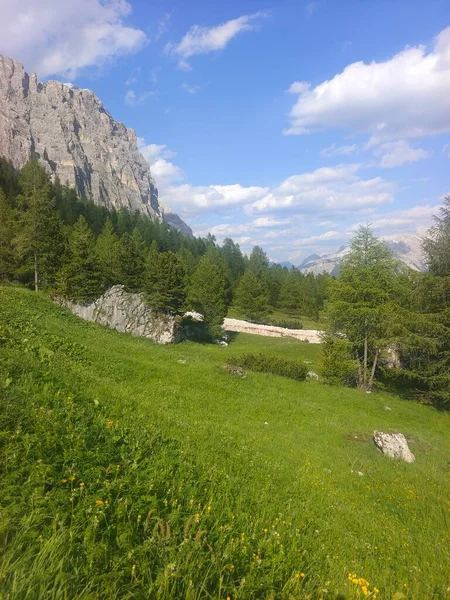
{"type": "Point", "coordinates": [131, 470]}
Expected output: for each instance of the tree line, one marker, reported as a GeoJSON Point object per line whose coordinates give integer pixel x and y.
{"type": "Point", "coordinates": [53, 240]}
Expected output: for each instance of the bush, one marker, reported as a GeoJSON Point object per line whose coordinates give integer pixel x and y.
{"type": "Point", "coordinates": [273, 365]}
{"type": "Point", "coordinates": [288, 324]}
{"type": "Point", "coordinates": [338, 367]}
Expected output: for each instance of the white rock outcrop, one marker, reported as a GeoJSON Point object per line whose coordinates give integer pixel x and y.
{"type": "Point", "coordinates": [128, 313]}
{"type": "Point", "coordinates": [76, 139]}
{"type": "Point", "coordinates": [394, 445]}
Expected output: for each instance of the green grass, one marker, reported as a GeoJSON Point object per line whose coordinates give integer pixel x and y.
{"type": "Point", "coordinates": [187, 492]}
{"type": "Point", "coordinates": [277, 316]}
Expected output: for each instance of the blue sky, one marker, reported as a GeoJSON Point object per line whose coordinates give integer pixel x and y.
{"type": "Point", "coordinates": [284, 124]}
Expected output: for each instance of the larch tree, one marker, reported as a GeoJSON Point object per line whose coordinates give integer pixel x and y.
{"type": "Point", "coordinates": [363, 301]}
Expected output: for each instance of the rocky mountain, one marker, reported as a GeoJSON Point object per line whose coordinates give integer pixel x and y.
{"type": "Point", "coordinates": [406, 247]}
{"type": "Point", "coordinates": [77, 140]}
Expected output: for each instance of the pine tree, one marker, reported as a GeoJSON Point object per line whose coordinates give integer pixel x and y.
{"type": "Point", "coordinates": [207, 294]}
{"type": "Point", "coordinates": [7, 254]}
{"type": "Point", "coordinates": [165, 283]}
{"type": "Point", "coordinates": [107, 251]}
{"type": "Point", "coordinates": [80, 278]}
{"type": "Point", "coordinates": [251, 297]}
{"type": "Point", "coordinates": [132, 255]}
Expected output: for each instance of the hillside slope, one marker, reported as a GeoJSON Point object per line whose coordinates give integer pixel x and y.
{"type": "Point", "coordinates": [131, 470]}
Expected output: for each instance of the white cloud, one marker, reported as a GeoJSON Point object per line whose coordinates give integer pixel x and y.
{"type": "Point", "coordinates": [405, 220]}
{"type": "Point", "coordinates": [202, 40]}
{"type": "Point", "coordinates": [192, 200]}
{"type": "Point", "coordinates": [326, 190]}
{"type": "Point", "coordinates": [60, 38]}
{"type": "Point", "coordinates": [395, 154]}
{"type": "Point", "coordinates": [133, 99]}
{"type": "Point", "coordinates": [446, 149]}
{"type": "Point", "coordinates": [134, 76]}
{"type": "Point", "coordinates": [334, 150]}
{"type": "Point", "coordinates": [163, 25]}
{"type": "Point", "coordinates": [190, 89]}
{"type": "Point", "coordinates": [164, 172]}
{"type": "Point", "coordinates": [313, 239]}
{"type": "Point", "coordinates": [404, 97]}
{"type": "Point", "coordinates": [311, 8]}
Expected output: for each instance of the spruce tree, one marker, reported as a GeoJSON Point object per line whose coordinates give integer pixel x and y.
{"type": "Point", "coordinates": [132, 253]}
{"type": "Point", "coordinates": [251, 297]}
{"type": "Point", "coordinates": [258, 262]}
{"type": "Point", "coordinates": [107, 251]}
{"type": "Point", "coordinates": [39, 239]}
{"type": "Point", "coordinates": [207, 294]}
{"type": "Point", "coordinates": [80, 279]}
{"type": "Point", "coordinates": [165, 285]}
{"type": "Point", "coordinates": [7, 254]}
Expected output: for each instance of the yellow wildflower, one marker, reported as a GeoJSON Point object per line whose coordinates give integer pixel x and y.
{"type": "Point", "coordinates": [99, 502]}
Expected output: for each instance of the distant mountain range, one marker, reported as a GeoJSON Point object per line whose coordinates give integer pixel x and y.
{"type": "Point", "coordinates": [406, 247]}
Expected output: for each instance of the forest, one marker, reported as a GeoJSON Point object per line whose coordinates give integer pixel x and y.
{"type": "Point", "coordinates": [52, 240]}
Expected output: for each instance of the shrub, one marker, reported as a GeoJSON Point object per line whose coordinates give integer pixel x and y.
{"type": "Point", "coordinates": [273, 365]}
{"type": "Point", "coordinates": [338, 367]}
{"type": "Point", "coordinates": [288, 324]}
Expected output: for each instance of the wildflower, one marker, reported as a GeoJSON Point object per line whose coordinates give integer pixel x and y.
{"type": "Point", "coordinates": [209, 508]}
{"type": "Point", "coordinates": [99, 502]}
{"type": "Point", "coordinates": [63, 480]}
{"type": "Point", "coordinates": [81, 484]}
{"type": "Point", "coordinates": [72, 478]}
{"type": "Point", "coordinates": [139, 517]}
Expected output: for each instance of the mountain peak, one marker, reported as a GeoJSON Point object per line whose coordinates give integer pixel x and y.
{"type": "Point", "coordinates": [77, 140]}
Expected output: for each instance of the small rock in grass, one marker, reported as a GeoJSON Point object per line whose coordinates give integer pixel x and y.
{"type": "Point", "coordinates": [387, 408]}
{"type": "Point", "coordinates": [307, 362]}
{"type": "Point", "coordinates": [394, 445]}
{"type": "Point", "coordinates": [312, 375]}
{"type": "Point", "coordinates": [266, 423]}
{"type": "Point", "coordinates": [182, 361]}
{"type": "Point", "coordinates": [235, 371]}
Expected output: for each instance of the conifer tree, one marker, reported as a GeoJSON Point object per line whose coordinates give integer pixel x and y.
{"type": "Point", "coordinates": [258, 262]}
{"type": "Point", "coordinates": [437, 243]}
{"type": "Point", "coordinates": [362, 301]}
{"type": "Point", "coordinates": [207, 294]}
{"type": "Point", "coordinates": [251, 297]}
{"type": "Point", "coordinates": [291, 293]}
{"type": "Point", "coordinates": [7, 254]}
{"type": "Point", "coordinates": [107, 251]}
{"type": "Point", "coordinates": [80, 278]}
{"type": "Point", "coordinates": [40, 230]}
{"type": "Point", "coordinates": [132, 255]}
{"type": "Point", "coordinates": [165, 283]}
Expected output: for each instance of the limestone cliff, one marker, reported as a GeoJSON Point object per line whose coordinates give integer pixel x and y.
{"type": "Point", "coordinates": [76, 138]}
